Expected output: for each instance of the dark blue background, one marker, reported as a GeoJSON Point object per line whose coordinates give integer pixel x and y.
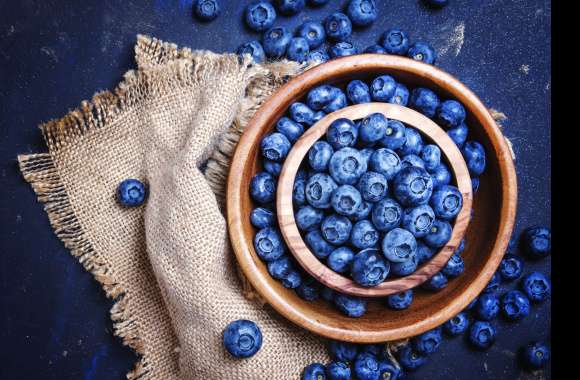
{"type": "Point", "coordinates": [54, 319]}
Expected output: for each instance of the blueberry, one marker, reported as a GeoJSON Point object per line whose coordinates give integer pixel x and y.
{"type": "Point", "coordinates": [290, 128]}
{"type": "Point", "coordinates": [280, 268]}
{"type": "Point", "coordinates": [421, 51]}
{"type": "Point", "coordinates": [309, 289]}
{"type": "Point", "coordinates": [441, 176]}
{"type": "Point", "coordinates": [493, 283]}
{"type": "Point", "coordinates": [368, 268]}
{"type": "Point", "coordinates": [260, 15]}
{"type": "Point", "coordinates": [263, 188]}
{"type": "Point", "coordinates": [435, 283]}
{"type": "Point", "coordinates": [290, 7]}
{"type": "Point", "coordinates": [472, 304]}
{"type": "Point", "coordinates": [386, 215]}
{"type": "Point", "coordinates": [535, 355]}
{"type": "Point", "coordinates": [373, 127]}
{"type": "Point", "coordinates": [343, 49]}
{"type": "Point", "coordinates": [375, 49]}
{"type": "Point", "coordinates": [399, 245]}
{"type": "Point", "coordinates": [319, 156]}
{"type": "Point", "coordinates": [298, 194]}
{"type": "Point", "coordinates": [515, 305]}
{"type": "Point", "coordinates": [358, 92]}
{"type": "Point", "coordinates": [450, 114]}
{"type": "Point", "coordinates": [338, 26]}
{"type": "Point", "coordinates": [318, 190]}
{"type": "Point", "coordinates": [383, 88]}
{"type": "Point", "coordinates": [447, 202]}
{"type": "Point", "coordinates": [373, 186]}
{"type": "Point", "coordinates": [340, 259]}
{"type": "Point", "coordinates": [347, 166]}
{"type": "Point", "coordinates": [301, 113]}
{"type": "Point", "coordinates": [400, 96]}
{"type": "Point", "coordinates": [350, 306]}
{"type": "Point", "coordinates": [461, 247]}
{"type": "Point", "coordinates": [343, 351]}
{"type": "Point", "coordinates": [131, 193]}
{"type": "Point", "coordinates": [318, 56]}
{"type": "Point", "coordinates": [342, 133]}
{"type": "Point", "coordinates": [537, 241]}
{"type": "Point", "coordinates": [536, 286]}
{"type": "Point", "coordinates": [395, 136]}
{"type": "Point", "coordinates": [431, 155]}
{"type": "Point", "coordinates": [377, 350]}
{"type": "Point", "coordinates": [395, 41]}
{"type": "Point", "coordinates": [413, 186]}
{"type": "Point", "coordinates": [314, 371]}
{"type": "Point", "coordinates": [261, 217]}
{"type": "Point", "coordinates": [339, 101]}
{"type": "Point", "coordinates": [424, 101]}
{"type": "Point", "coordinates": [298, 50]}
{"type": "Point", "coordinates": [338, 371]}
{"type": "Point", "coordinates": [400, 301]}
{"type": "Point", "coordinates": [454, 267]}
{"type": "Point", "coordinates": [268, 244]}
{"type": "Point", "coordinates": [366, 367]}
{"type": "Point", "coordinates": [456, 325]}
{"type": "Point", "coordinates": [412, 160]}
{"type": "Point", "coordinates": [313, 32]}
{"type": "Point", "coordinates": [272, 167]}
{"type": "Point", "coordinates": [511, 267]}
{"type": "Point", "coordinates": [424, 253]}
{"type": "Point", "coordinates": [254, 49]}
{"type": "Point", "coordinates": [428, 342]}
{"type": "Point", "coordinates": [386, 162]}
{"type": "Point", "coordinates": [275, 146]}
{"type": "Point", "coordinates": [336, 229]}
{"type": "Point", "coordinates": [436, 3]}
{"type": "Point", "coordinates": [242, 338]}
{"type": "Point", "coordinates": [362, 12]}
{"type": "Point", "coordinates": [474, 155]}
{"type": "Point", "coordinates": [475, 184]}
{"type": "Point", "coordinates": [206, 10]}
{"type": "Point", "coordinates": [320, 247]}
{"type": "Point", "coordinates": [419, 221]}
{"type": "Point", "coordinates": [319, 97]}
{"type": "Point", "coordinates": [458, 134]}
{"type": "Point", "coordinates": [413, 143]}
{"type": "Point", "coordinates": [275, 41]}
{"type": "Point", "coordinates": [318, 115]}
{"type": "Point", "coordinates": [346, 200]}
{"type": "Point", "coordinates": [406, 267]}
{"type": "Point", "coordinates": [301, 174]}
{"type": "Point", "coordinates": [482, 334]}
{"type": "Point", "coordinates": [327, 294]}
{"type": "Point", "coordinates": [439, 234]}
{"type": "Point", "coordinates": [309, 218]}
{"type": "Point", "coordinates": [409, 359]}
{"type": "Point", "coordinates": [364, 235]}
{"type": "Point", "coordinates": [363, 211]}
{"type": "Point", "coordinates": [389, 371]}
{"type": "Point", "coordinates": [487, 306]}
{"type": "Point", "coordinates": [292, 280]}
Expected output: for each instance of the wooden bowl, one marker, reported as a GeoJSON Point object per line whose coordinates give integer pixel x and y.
{"type": "Point", "coordinates": [487, 236]}
{"type": "Point", "coordinates": [431, 133]}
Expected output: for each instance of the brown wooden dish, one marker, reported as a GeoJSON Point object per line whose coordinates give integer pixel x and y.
{"type": "Point", "coordinates": [487, 235]}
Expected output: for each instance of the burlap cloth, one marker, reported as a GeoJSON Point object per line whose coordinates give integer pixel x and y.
{"type": "Point", "coordinates": [167, 264]}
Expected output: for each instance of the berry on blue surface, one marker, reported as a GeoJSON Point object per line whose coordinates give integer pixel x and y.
{"type": "Point", "coordinates": [313, 32]}
{"type": "Point", "coordinates": [263, 188]}
{"type": "Point", "coordinates": [206, 10]}
{"type": "Point", "coordinates": [254, 49]}
{"type": "Point", "coordinates": [369, 268]}
{"type": "Point", "coordinates": [290, 7]}
{"type": "Point", "coordinates": [419, 221]}
{"type": "Point", "coordinates": [410, 359]}
{"type": "Point", "coordinates": [275, 146]}
{"type": "Point", "coordinates": [358, 92]}
{"type": "Point", "coordinates": [336, 229]}
{"type": "Point", "coordinates": [275, 41]}
{"type": "Point", "coordinates": [400, 301]}
{"type": "Point", "coordinates": [340, 259]}
{"type": "Point", "coordinates": [398, 245]}
{"type": "Point", "coordinates": [536, 286]}
{"type": "Point", "coordinates": [482, 334]}
{"type": "Point", "coordinates": [386, 162]}
{"type": "Point", "coordinates": [456, 325]}
{"type": "Point", "coordinates": [290, 128]}
{"type": "Point", "coordinates": [395, 41]}
{"type": "Point", "coordinates": [537, 241]}
{"type": "Point", "coordinates": [487, 306]}
{"type": "Point", "coordinates": [413, 186]}
{"type": "Point", "coordinates": [428, 342]}
{"type": "Point", "coordinates": [350, 306]}
{"type": "Point", "coordinates": [260, 15]}
{"type": "Point", "coordinates": [383, 88]}
{"type": "Point", "coordinates": [268, 244]}
{"type": "Point", "coordinates": [421, 51]}
{"type": "Point", "coordinates": [515, 305]}
{"type": "Point", "coordinates": [362, 12]}
{"type": "Point", "coordinates": [511, 267]}
{"type": "Point", "coordinates": [338, 26]}
{"type": "Point", "coordinates": [261, 217]}
{"type": "Point", "coordinates": [298, 50]}
{"type": "Point", "coordinates": [343, 49]}
{"type": "Point", "coordinates": [131, 193]}
{"type": "Point", "coordinates": [242, 338]}
{"type": "Point", "coordinates": [347, 166]}
{"type": "Point", "coordinates": [535, 355]}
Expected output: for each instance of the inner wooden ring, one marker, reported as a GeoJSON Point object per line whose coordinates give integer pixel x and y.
{"type": "Point", "coordinates": [285, 209]}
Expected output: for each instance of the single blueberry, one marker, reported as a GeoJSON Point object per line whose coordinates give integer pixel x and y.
{"type": "Point", "coordinates": [536, 286]}
{"type": "Point", "coordinates": [131, 193]}
{"type": "Point", "coordinates": [260, 15]}
{"type": "Point", "coordinates": [343, 49]}
{"type": "Point", "coordinates": [318, 56]}
{"type": "Point", "coordinates": [268, 244]}
{"type": "Point", "coordinates": [340, 259]}
{"type": "Point", "coordinates": [346, 200]}
{"type": "Point", "coordinates": [373, 127]}
{"type": "Point", "coordinates": [242, 338]}
{"type": "Point", "coordinates": [436, 283]}
{"type": "Point", "coordinates": [290, 128]}
{"type": "Point", "coordinates": [395, 136]}
{"type": "Point", "coordinates": [413, 143]}
{"type": "Point", "coordinates": [280, 268]}
{"type": "Point", "coordinates": [290, 7]}
{"type": "Point", "coordinates": [206, 10]}
{"type": "Point", "coordinates": [298, 192]}
{"type": "Point", "coordinates": [314, 371]}
{"type": "Point", "coordinates": [343, 351]}
{"type": "Point", "coordinates": [366, 367]}
{"type": "Point", "coordinates": [515, 305]}
{"type": "Point", "coordinates": [409, 359]}
{"type": "Point", "coordinates": [493, 283]}
{"type": "Point", "coordinates": [298, 50]}
{"type": "Point", "coordinates": [254, 49]}
{"type": "Point", "coordinates": [262, 217]}
{"type": "Point", "coordinates": [275, 146]}
{"type": "Point", "coordinates": [309, 289]}
{"type": "Point", "coordinates": [459, 134]}
{"type": "Point", "coordinates": [309, 218]}
{"type": "Point", "coordinates": [375, 49]}
{"type": "Point", "coordinates": [292, 280]}
{"type": "Point", "coordinates": [439, 234]}
{"type": "Point", "coordinates": [431, 155]}
{"type": "Point", "coordinates": [482, 334]}
{"type": "Point", "coordinates": [301, 113]}
{"type": "Point", "coordinates": [424, 101]}
{"type": "Point", "coordinates": [450, 114]}
{"type": "Point", "coordinates": [537, 241]}
{"type": "Point", "coordinates": [336, 229]}
{"type": "Point", "coordinates": [406, 267]}
{"type": "Point", "coordinates": [511, 267]}
{"type": "Point", "coordinates": [423, 52]}
{"type": "Point", "coordinates": [441, 176]}
{"type": "Point", "coordinates": [390, 371]}
{"type": "Point", "coordinates": [342, 133]}
{"type": "Point", "coordinates": [413, 186]}
{"type": "Point", "coordinates": [387, 214]}
{"type": "Point", "coordinates": [457, 325]}
{"type": "Point", "coordinates": [395, 41]}
{"type": "Point", "coordinates": [535, 355]}
{"type": "Point", "coordinates": [399, 245]}
{"type": "Point", "coordinates": [318, 190]}
{"type": "Point", "coordinates": [263, 188]}
{"type": "Point", "coordinates": [386, 162]}
{"type": "Point", "coordinates": [364, 235]}
{"type": "Point", "coordinates": [275, 41]}
{"type": "Point", "coordinates": [338, 371]}
{"type": "Point", "coordinates": [347, 166]}
{"type": "Point", "coordinates": [313, 32]}
{"type": "Point", "coordinates": [383, 88]}
{"type": "Point", "coordinates": [400, 96]}
{"type": "Point", "coordinates": [358, 92]}
{"type": "Point", "coordinates": [446, 201]}
{"type": "Point", "coordinates": [400, 301]}
{"type": "Point", "coordinates": [412, 160]}
{"type": "Point", "coordinates": [362, 12]}
{"type": "Point", "coordinates": [338, 26]}
{"type": "Point", "coordinates": [350, 306]}
{"type": "Point", "coordinates": [319, 156]}
{"type": "Point", "coordinates": [419, 221]}
{"type": "Point", "coordinates": [320, 247]}
{"type": "Point", "coordinates": [319, 97]}
{"type": "Point", "coordinates": [487, 306]}
{"type": "Point", "coordinates": [424, 253]}
{"type": "Point", "coordinates": [373, 186]}
{"type": "Point", "coordinates": [428, 342]}
{"type": "Point", "coordinates": [474, 154]}
{"type": "Point", "coordinates": [369, 268]}
{"type": "Point", "coordinates": [454, 267]}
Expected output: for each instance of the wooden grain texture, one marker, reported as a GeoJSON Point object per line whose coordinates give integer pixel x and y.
{"type": "Point", "coordinates": [486, 239]}
{"type": "Point", "coordinates": [430, 131]}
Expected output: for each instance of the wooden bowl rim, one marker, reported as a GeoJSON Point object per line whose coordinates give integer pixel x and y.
{"type": "Point", "coordinates": [296, 88]}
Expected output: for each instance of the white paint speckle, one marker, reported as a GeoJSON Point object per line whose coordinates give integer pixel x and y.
{"type": "Point", "coordinates": [525, 69]}
{"type": "Point", "coordinates": [454, 40]}
{"type": "Point", "coordinates": [50, 52]}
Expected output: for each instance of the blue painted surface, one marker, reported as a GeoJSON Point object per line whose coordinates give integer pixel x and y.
{"type": "Point", "coordinates": [54, 319]}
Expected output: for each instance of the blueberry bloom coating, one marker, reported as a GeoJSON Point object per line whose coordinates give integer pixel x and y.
{"type": "Point", "coordinates": [363, 211]}
{"type": "Point", "coordinates": [268, 244]}
{"type": "Point", "coordinates": [272, 167]}
{"type": "Point", "coordinates": [364, 235]}
{"type": "Point", "coordinates": [254, 49]}
{"type": "Point", "coordinates": [336, 229]}
{"type": "Point", "coordinates": [319, 56]}
{"type": "Point", "coordinates": [373, 127]}
{"type": "Point", "coordinates": [369, 268]}
{"type": "Point", "coordinates": [263, 187]}
{"type": "Point", "coordinates": [428, 342]}
{"type": "Point", "coordinates": [292, 280]}
{"type": "Point", "coordinates": [343, 49]}
{"type": "Point", "coordinates": [431, 155]}
{"type": "Point", "coordinates": [313, 32]}
{"type": "Point", "coordinates": [366, 367]}
{"type": "Point", "coordinates": [340, 259]}
{"type": "Point", "coordinates": [424, 252]}
{"type": "Point", "coordinates": [343, 351]}
{"type": "Point", "coordinates": [289, 128]}
{"type": "Point", "coordinates": [419, 221]}
{"type": "Point", "coordinates": [474, 155]}
{"type": "Point", "coordinates": [338, 26]}
{"type": "Point", "coordinates": [375, 49]}
{"type": "Point", "coordinates": [321, 96]}
{"type": "Point", "coordinates": [261, 217]}
{"type": "Point", "coordinates": [439, 234]}
{"type": "Point", "coordinates": [358, 92]}
{"type": "Point", "coordinates": [260, 15]}
{"type": "Point", "coordinates": [314, 371]}
{"type": "Point", "coordinates": [206, 10]}
{"type": "Point", "coordinates": [487, 306]}
{"type": "Point", "coordinates": [413, 186]}
{"type": "Point", "coordinates": [395, 41]}
{"type": "Point", "coordinates": [536, 286]}
{"type": "Point", "coordinates": [387, 214]}
{"type": "Point", "coordinates": [319, 190]}
{"type": "Point", "coordinates": [421, 51]}
{"type": "Point", "coordinates": [338, 371]}
{"type": "Point", "coordinates": [413, 143]}
{"type": "Point", "coordinates": [362, 12]}
{"type": "Point", "coordinates": [493, 284]}
{"type": "Point", "coordinates": [409, 359]}
{"type": "Point", "coordinates": [399, 245]}
{"type": "Point", "coordinates": [454, 267]}
{"type": "Point", "coordinates": [459, 134]}
{"type": "Point", "coordinates": [280, 268]}
{"type": "Point", "coordinates": [242, 338]}
{"type": "Point", "coordinates": [319, 247]}
{"type": "Point", "coordinates": [290, 7]}
{"type": "Point", "coordinates": [309, 289]}
{"type": "Point", "coordinates": [131, 193]}
{"type": "Point", "coordinates": [535, 355]}
{"type": "Point", "coordinates": [342, 133]}
{"type": "Point", "coordinates": [309, 218]}
{"type": "Point", "coordinates": [383, 88]}
{"type": "Point", "coordinates": [347, 166]}
{"type": "Point", "coordinates": [441, 176]}
{"type": "Point", "coordinates": [482, 334]}
{"type": "Point", "coordinates": [537, 241]}
{"type": "Point", "coordinates": [447, 202]}
{"type": "Point", "coordinates": [412, 160]}
{"type": "Point", "coordinates": [400, 301]}
{"type": "Point", "coordinates": [451, 114]}
{"type": "Point", "coordinates": [400, 96]}
{"type": "Point", "coordinates": [298, 194]}
{"type": "Point", "coordinates": [373, 186]}
{"type": "Point", "coordinates": [406, 267]}
{"type": "Point", "coordinates": [386, 162]}
{"type": "Point", "coordinates": [395, 136]}
{"type": "Point", "coordinates": [298, 50]}
{"type": "Point", "coordinates": [424, 101]}
{"type": "Point", "coordinates": [346, 200]}
{"type": "Point", "coordinates": [350, 306]}
{"type": "Point", "coordinates": [515, 305]}
{"type": "Point", "coordinates": [435, 283]}
{"type": "Point", "coordinates": [511, 267]}
{"type": "Point", "coordinates": [319, 156]}
{"type": "Point", "coordinates": [275, 41]}
{"type": "Point", "coordinates": [456, 325]}
{"type": "Point", "coordinates": [275, 146]}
